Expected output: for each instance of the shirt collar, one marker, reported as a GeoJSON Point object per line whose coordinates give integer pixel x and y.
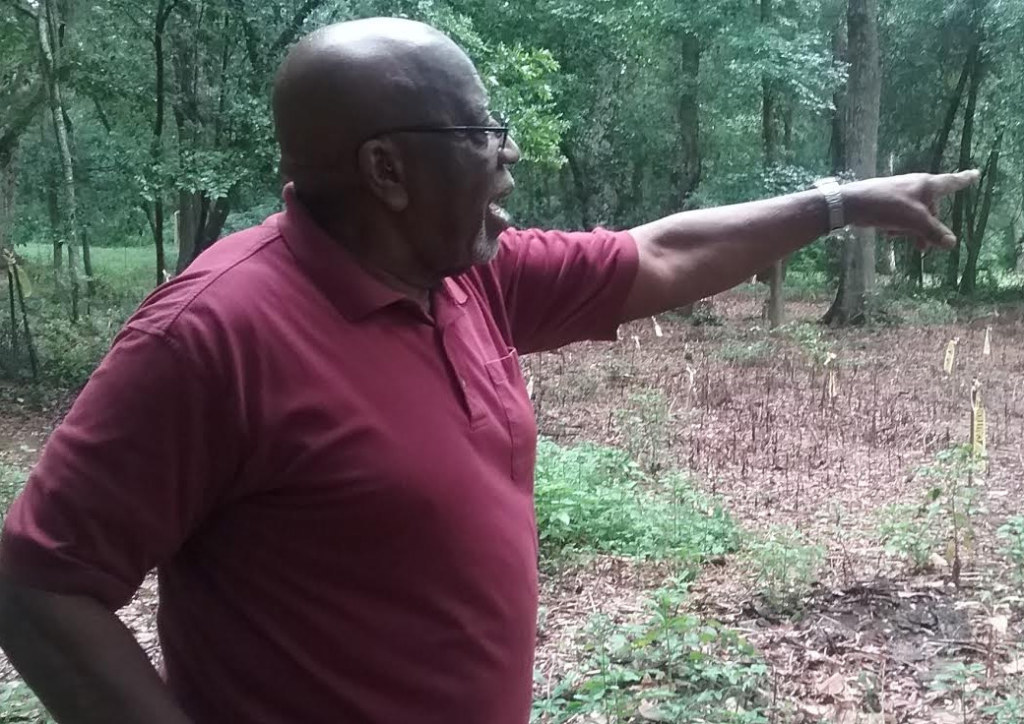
{"type": "Point", "coordinates": [339, 277]}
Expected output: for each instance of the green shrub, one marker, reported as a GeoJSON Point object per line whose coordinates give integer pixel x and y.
{"type": "Point", "coordinates": [596, 499]}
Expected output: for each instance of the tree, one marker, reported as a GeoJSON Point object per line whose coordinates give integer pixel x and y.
{"type": "Point", "coordinates": [863, 109]}
{"type": "Point", "coordinates": [50, 28]}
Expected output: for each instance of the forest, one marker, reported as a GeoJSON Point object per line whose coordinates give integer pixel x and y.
{"type": "Point", "coordinates": [798, 501]}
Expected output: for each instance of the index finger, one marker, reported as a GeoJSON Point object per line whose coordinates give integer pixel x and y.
{"type": "Point", "coordinates": [952, 182]}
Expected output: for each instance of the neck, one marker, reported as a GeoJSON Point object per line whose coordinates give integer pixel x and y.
{"type": "Point", "coordinates": [387, 259]}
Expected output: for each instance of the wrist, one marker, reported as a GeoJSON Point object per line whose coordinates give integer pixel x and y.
{"type": "Point", "coordinates": [836, 203]}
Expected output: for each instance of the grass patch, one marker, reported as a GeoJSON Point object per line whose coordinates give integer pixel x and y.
{"type": "Point", "coordinates": [593, 499]}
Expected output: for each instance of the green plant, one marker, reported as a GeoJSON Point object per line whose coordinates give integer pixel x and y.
{"type": "Point", "coordinates": [19, 704]}
{"type": "Point", "coordinates": [644, 424]}
{"type": "Point", "coordinates": [597, 499]}
{"type": "Point", "coordinates": [11, 481]}
{"type": "Point", "coordinates": [674, 667]}
{"type": "Point", "coordinates": [944, 521]}
{"type": "Point", "coordinates": [783, 565]}
{"type": "Point", "coordinates": [747, 354]}
{"type": "Point", "coordinates": [811, 339]}
{"type": "Point", "coordinates": [1012, 533]}
{"type": "Point", "coordinates": [912, 532]}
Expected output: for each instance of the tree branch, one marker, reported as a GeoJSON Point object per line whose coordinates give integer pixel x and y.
{"type": "Point", "coordinates": [24, 8]}
{"type": "Point", "coordinates": [292, 29]}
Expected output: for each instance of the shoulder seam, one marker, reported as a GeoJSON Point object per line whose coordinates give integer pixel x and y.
{"type": "Point", "coordinates": [163, 328]}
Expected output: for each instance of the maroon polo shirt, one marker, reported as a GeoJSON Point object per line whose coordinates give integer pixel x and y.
{"type": "Point", "coordinates": [334, 486]}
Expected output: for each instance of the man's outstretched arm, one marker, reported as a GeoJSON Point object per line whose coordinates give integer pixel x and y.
{"type": "Point", "coordinates": [696, 254]}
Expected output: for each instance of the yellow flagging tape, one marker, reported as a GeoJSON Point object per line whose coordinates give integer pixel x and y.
{"type": "Point", "coordinates": [947, 364]}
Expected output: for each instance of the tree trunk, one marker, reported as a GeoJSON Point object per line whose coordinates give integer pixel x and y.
{"type": "Point", "coordinates": [579, 183]}
{"type": "Point", "coordinates": [976, 228]}
{"type": "Point", "coordinates": [915, 266]}
{"type": "Point", "coordinates": [966, 142]}
{"type": "Point", "coordinates": [689, 169]}
{"type": "Point", "coordinates": [8, 187]}
{"type": "Point", "coordinates": [837, 140]}
{"type": "Point", "coordinates": [865, 88]}
{"type": "Point", "coordinates": [90, 281]}
{"type": "Point", "coordinates": [46, 24]}
{"type": "Point", "coordinates": [770, 137]}
{"type": "Point", "coordinates": [163, 13]}
{"type": "Point", "coordinates": [837, 158]}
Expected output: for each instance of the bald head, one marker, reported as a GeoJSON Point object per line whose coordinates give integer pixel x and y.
{"type": "Point", "coordinates": [346, 82]}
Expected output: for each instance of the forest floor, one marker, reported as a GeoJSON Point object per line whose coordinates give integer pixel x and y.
{"type": "Point", "coordinates": [757, 422]}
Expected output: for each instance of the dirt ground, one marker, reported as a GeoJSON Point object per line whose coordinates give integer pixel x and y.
{"type": "Point", "coordinates": [759, 424]}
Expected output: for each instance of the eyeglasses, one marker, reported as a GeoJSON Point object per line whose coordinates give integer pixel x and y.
{"type": "Point", "coordinates": [501, 130]}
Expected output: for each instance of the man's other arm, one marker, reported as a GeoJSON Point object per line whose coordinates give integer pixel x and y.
{"type": "Point", "coordinates": [80, 660]}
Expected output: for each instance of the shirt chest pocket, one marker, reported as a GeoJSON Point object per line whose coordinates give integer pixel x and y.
{"type": "Point", "coordinates": [509, 389]}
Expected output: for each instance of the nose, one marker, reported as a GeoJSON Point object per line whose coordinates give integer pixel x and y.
{"type": "Point", "coordinates": [510, 154]}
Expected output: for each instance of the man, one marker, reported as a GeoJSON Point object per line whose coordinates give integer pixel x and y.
{"type": "Point", "coordinates": [319, 434]}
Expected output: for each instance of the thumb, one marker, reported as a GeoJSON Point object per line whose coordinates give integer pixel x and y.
{"type": "Point", "coordinates": [935, 232]}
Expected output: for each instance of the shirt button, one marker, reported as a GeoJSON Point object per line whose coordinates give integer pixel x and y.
{"type": "Point", "coordinates": [462, 381]}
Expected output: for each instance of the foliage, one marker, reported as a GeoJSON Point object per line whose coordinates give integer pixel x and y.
{"type": "Point", "coordinates": [1012, 533]}
{"type": "Point", "coordinates": [644, 424]}
{"type": "Point", "coordinates": [943, 523]}
{"type": "Point", "coordinates": [18, 705]}
{"type": "Point", "coordinates": [747, 354]}
{"type": "Point", "coordinates": [596, 499]}
{"type": "Point", "coordinates": [12, 480]}
{"type": "Point", "coordinates": [674, 667]}
{"type": "Point", "coordinates": [783, 565]}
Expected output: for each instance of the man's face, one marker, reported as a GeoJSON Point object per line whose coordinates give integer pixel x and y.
{"type": "Point", "coordinates": [457, 183]}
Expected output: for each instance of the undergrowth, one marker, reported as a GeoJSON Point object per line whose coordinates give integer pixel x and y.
{"type": "Point", "coordinates": [593, 499]}
{"type": "Point", "coordinates": [673, 667]}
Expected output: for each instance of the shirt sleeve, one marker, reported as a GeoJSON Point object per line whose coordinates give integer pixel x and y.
{"type": "Point", "coordinates": [562, 287]}
{"type": "Point", "coordinates": [136, 465]}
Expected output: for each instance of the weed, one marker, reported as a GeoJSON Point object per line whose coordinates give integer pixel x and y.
{"type": "Point", "coordinates": [811, 339]}
{"type": "Point", "coordinates": [675, 667]}
{"type": "Point", "coordinates": [1012, 533]}
{"type": "Point", "coordinates": [747, 354]}
{"type": "Point", "coordinates": [783, 565]}
{"type": "Point", "coordinates": [596, 499]}
{"type": "Point", "coordinates": [644, 423]}
{"type": "Point", "coordinates": [944, 522]}
{"type": "Point", "coordinates": [12, 479]}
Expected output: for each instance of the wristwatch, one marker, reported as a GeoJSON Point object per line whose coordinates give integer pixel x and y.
{"type": "Point", "coordinates": [834, 197]}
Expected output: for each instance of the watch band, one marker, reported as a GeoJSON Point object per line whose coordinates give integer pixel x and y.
{"type": "Point", "coordinates": [829, 187]}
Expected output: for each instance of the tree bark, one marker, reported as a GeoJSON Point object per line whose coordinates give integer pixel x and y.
{"type": "Point", "coordinates": [163, 14]}
{"type": "Point", "coordinates": [966, 143]}
{"type": "Point", "coordinates": [46, 24]}
{"type": "Point", "coordinates": [976, 227]}
{"type": "Point", "coordinates": [769, 135]}
{"type": "Point", "coordinates": [690, 163]}
{"type": "Point", "coordinates": [865, 89]}
{"type": "Point", "coordinates": [915, 265]}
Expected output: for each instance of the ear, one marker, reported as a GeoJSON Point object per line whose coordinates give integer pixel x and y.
{"type": "Point", "coordinates": [381, 168]}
